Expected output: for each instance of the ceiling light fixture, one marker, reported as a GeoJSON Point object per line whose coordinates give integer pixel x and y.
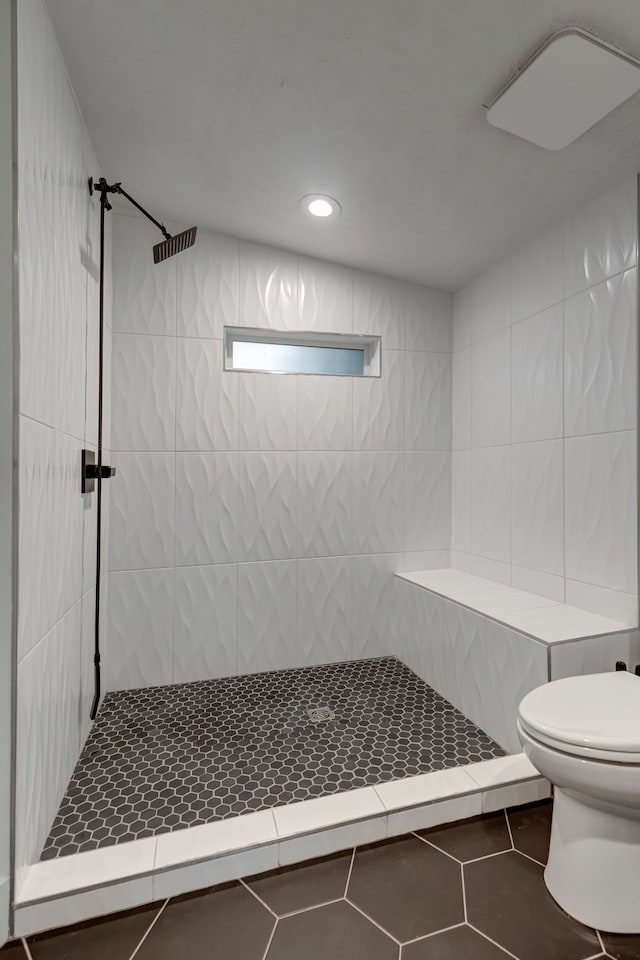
{"type": "Point", "coordinates": [570, 83]}
{"type": "Point", "coordinates": [321, 206]}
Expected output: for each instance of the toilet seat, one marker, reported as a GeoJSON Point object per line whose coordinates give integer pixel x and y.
{"type": "Point", "coordinates": [596, 716]}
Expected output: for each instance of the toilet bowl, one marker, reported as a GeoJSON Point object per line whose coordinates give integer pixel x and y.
{"type": "Point", "coordinates": [583, 734]}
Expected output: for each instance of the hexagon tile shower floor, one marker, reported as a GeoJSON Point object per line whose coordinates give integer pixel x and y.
{"type": "Point", "coordinates": [162, 758]}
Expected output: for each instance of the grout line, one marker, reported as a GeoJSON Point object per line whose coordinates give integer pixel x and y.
{"type": "Point", "coordinates": [434, 933]}
{"type": "Point", "coordinates": [270, 940]}
{"type": "Point", "coordinates": [309, 909]}
{"type": "Point", "coordinates": [151, 926]}
{"type": "Point", "coordinates": [600, 941]}
{"type": "Point", "coordinates": [506, 816]}
{"type": "Point", "coordinates": [489, 856]}
{"type": "Point", "coordinates": [25, 947]}
{"type": "Point", "coordinates": [464, 892]}
{"type": "Point", "coordinates": [433, 846]}
{"type": "Point", "coordinates": [346, 886]}
{"type": "Point", "coordinates": [494, 942]}
{"type": "Point", "coordinates": [258, 898]}
{"type": "Point", "coordinates": [527, 857]}
{"type": "Point", "coordinates": [371, 920]}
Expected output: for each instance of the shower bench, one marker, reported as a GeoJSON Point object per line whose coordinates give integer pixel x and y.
{"type": "Point", "coordinates": [484, 645]}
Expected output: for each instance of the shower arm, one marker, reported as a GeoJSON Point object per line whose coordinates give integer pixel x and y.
{"type": "Point", "coordinates": [103, 187]}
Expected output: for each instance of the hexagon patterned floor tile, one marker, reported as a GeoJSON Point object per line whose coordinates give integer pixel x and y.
{"type": "Point", "coordinates": [162, 758]}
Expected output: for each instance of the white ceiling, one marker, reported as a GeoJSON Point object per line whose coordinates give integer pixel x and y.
{"type": "Point", "coordinates": [225, 112]}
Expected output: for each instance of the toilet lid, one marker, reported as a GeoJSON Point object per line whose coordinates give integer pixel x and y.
{"type": "Point", "coordinates": [600, 711]}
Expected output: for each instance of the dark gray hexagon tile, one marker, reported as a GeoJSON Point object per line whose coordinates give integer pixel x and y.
{"type": "Point", "coordinates": [333, 932]}
{"type": "Point", "coordinates": [159, 759]}
{"type": "Point", "coordinates": [408, 887]}
{"type": "Point", "coordinates": [225, 921]}
{"type": "Point", "coordinates": [508, 901]}
{"type": "Point", "coordinates": [470, 839]}
{"type": "Point", "coordinates": [305, 885]}
{"type": "Point", "coordinates": [110, 938]}
{"type": "Point", "coordinates": [621, 946]}
{"type": "Point", "coordinates": [531, 829]}
{"type": "Point", "coordinates": [461, 943]}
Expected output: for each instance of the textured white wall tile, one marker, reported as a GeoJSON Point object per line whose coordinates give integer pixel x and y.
{"type": "Point", "coordinates": [144, 293]}
{"type": "Point", "coordinates": [463, 672]}
{"type": "Point", "coordinates": [48, 733]}
{"type": "Point", "coordinates": [492, 301]}
{"type": "Point", "coordinates": [206, 622]}
{"type": "Point", "coordinates": [429, 319]}
{"type": "Point", "coordinates": [593, 655]}
{"type": "Point", "coordinates": [461, 399]}
{"type": "Point", "coordinates": [608, 603]}
{"type": "Point", "coordinates": [325, 406]}
{"type": "Point", "coordinates": [36, 580]}
{"type": "Point", "coordinates": [379, 308]}
{"type": "Point", "coordinates": [421, 639]}
{"type": "Point", "coordinates": [533, 581]}
{"type": "Point", "coordinates": [268, 287]}
{"type": "Point", "coordinates": [600, 336]}
{"type": "Point", "coordinates": [428, 401]}
{"type": "Point", "coordinates": [537, 516]}
{"type": "Point", "coordinates": [267, 506]}
{"type": "Point", "coordinates": [325, 296]}
{"type": "Point", "coordinates": [491, 390]}
{"type": "Point", "coordinates": [267, 635]}
{"type": "Point", "coordinates": [462, 317]}
{"type": "Point", "coordinates": [206, 511]}
{"type": "Point", "coordinates": [461, 501]}
{"type": "Point", "coordinates": [600, 239]}
{"type": "Point", "coordinates": [413, 560]}
{"type": "Point", "coordinates": [207, 286]}
{"type": "Point", "coordinates": [58, 374]}
{"type": "Point", "coordinates": [461, 561]}
{"type": "Point", "coordinates": [206, 398]}
{"type": "Point", "coordinates": [510, 665]}
{"type": "Point", "coordinates": [67, 545]}
{"type": "Point", "coordinates": [267, 411]}
{"type": "Point", "coordinates": [537, 274]}
{"type": "Point", "coordinates": [600, 510]}
{"type": "Point", "coordinates": [491, 569]}
{"type": "Point", "coordinates": [324, 504]}
{"type": "Point", "coordinates": [378, 406]}
{"type": "Point", "coordinates": [427, 501]}
{"type": "Point", "coordinates": [375, 607]}
{"type": "Point", "coordinates": [324, 610]}
{"type": "Point", "coordinates": [378, 490]}
{"type": "Point", "coordinates": [143, 392]}
{"type": "Point", "coordinates": [491, 503]}
{"type": "Point", "coordinates": [141, 511]}
{"type": "Point", "coordinates": [537, 377]}
{"type": "Point", "coordinates": [140, 629]}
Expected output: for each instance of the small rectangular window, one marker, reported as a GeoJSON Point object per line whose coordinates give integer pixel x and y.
{"type": "Point", "coordinates": [271, 351]}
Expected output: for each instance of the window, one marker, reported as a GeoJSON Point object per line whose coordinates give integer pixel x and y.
{"type": "Point", "coordinates": [272, 351]}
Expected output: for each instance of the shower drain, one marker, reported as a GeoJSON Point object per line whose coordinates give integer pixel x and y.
{"type": "Point", "coordinates": [320, 714]}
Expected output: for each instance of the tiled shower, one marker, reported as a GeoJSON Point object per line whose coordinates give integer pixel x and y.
{"type": "Point", "coordinates": [256, 521]}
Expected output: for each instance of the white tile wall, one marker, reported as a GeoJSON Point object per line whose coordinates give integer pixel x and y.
{"type": "Point", "coordinates": [544, 414]}
{"type": "Point", "coordinates": [58, 259]}
{"type": "Point", "coordinates": [306, 492]}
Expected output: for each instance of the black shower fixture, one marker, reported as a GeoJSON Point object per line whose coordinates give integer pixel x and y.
{"type": "Point", "coordinates": [94, 472]}
{"type": "Point", "coordinates": [171, 244]}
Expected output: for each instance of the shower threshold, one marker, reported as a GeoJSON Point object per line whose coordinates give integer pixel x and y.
{"type": "Point", "coordinates": [183, 786]}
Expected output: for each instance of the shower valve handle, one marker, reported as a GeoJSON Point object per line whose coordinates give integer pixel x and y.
{"type": "Point", "coordinates": [91, 471]}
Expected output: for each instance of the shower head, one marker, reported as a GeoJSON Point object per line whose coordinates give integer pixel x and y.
{"type": "Point", "coordinates": [172, 245]}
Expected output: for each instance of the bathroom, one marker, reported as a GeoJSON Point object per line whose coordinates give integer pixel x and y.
{"type": "Point", "coordinates": [319, 440]}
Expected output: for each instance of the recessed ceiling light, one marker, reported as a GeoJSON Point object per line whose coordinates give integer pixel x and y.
{"type": "Point", "coordinates": [319, 205]}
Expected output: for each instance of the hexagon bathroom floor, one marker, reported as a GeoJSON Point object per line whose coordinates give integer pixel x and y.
{"type": "Point", "coordinates": [162, 758]}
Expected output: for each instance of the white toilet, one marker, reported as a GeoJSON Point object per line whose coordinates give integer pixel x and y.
{"type": "Point", "coordinates": [583, 734]}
